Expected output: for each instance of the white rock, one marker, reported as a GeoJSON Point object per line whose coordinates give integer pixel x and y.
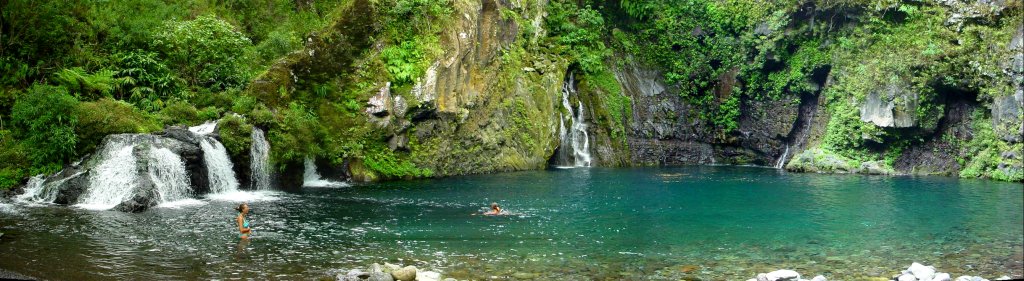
{"type": "Point", "coordinates": [762, 277]}
{"type": "Point", "coordinates": [922, 272]}
{"type": "Point", "coordinates": [428, 276]}
{"type": "Point", "coordinates": [407, 273]}
{"type": "Point", "coordinates": [1005, 278]}
{"type": "Point", "coordinates": [819, 278]}
{"type": "Point", "coordinates": [783, 274]}
{"type": "Point", "coordinates": [942, 277]}
{"type": "Point", "coordinates": [752, 279]}
{"type": "Point", "coordinates": [906, 277]}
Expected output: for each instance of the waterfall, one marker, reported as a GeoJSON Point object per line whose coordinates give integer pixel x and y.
{"type": "Point", "coordinates": [36, 191]}
{"type": "Point", "coordinates": [204, 129]}
{"type": "Point", "coordinates": [311, 178]}
{"type": "Point", "coordinates": [219, 167]}
{"type": "Point", "coordinates": [574, 148]}
{"type": "Point", "coordinates": [260, 160]}
{"type": "Point", "coordinates": [113, 180]}
{"type": "Point", "coordinates": [782, 160]}
{"type": "Point", "coordinates": [167, 170]}
{"type": "Point", "coordinates": [580, 140]}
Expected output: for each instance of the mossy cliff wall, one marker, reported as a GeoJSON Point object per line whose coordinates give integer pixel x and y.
{"type": "Point", "coordinates": [920, 88]}
{"type": "Point", "coordinates": [481, 103]}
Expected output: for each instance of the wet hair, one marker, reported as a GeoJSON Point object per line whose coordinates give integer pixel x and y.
{"type": "Point", "coordinates": [240, 207]}
{"type": "Point", "coordinates": [495, 204]}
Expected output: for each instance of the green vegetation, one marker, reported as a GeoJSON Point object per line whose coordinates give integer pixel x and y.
{"type": "Point", "coordinates": [100, 118]}
{"type": "Point", "coordinates": [986, 149]}
{"type": "Point", "coordinates": [44, 119]}
{"type": "Point", "coordinates": [235, 134]}
{"type": "Point", "coordinates": [72, 72]}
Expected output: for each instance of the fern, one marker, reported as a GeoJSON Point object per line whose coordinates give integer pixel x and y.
{"type": "Point", "coordinates": [90, 86]}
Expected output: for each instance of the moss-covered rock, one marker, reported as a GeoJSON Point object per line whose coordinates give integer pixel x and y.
{"type": "Point", "coordinates": [820, 161]}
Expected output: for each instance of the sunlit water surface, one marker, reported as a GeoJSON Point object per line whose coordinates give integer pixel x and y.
{"type": "Point", "coordinates": [712, 223]}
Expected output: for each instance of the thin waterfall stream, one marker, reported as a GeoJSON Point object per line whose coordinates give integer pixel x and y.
{"type": "Point", "coordinates": [574, 146]}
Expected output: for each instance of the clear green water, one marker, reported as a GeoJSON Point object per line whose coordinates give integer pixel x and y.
{"type": "Point", "coordinates": [713, 223]}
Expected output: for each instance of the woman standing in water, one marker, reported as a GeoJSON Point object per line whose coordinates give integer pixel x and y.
{"type": "Point", "coordinates": [243, 223]}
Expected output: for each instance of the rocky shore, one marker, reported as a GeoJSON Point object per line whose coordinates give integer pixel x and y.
{"type": "Point", "coordinates": [392, 272]}
{"type": "Point", "coordinates": [388, 272]}
{"type": "Point", "coordinates": [916, 272]}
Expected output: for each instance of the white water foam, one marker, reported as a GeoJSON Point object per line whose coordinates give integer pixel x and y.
{"type": "Point", "coordinates": [167, 170]}
{"type": "Point", "coordinates": [113, 180]}
{"type": "Point", "coordinates": [311, 178]}
{"type": "Point", "coordinates": [182, 203]}
{"type": "Point", "coordinates": [246, 196]}
{"type": "Point", "coordinates": [782, 160]}
{"type": "Point", "coordinates": [574, 148]}
{"type": "Point", "coordinates": [219, 168]}
{"type": "Point", "coordinates": [260, 160]}
{"type": "Point", "coordinates": [35, 191]}
{"type": "Point", "coordinates": [204, 129]}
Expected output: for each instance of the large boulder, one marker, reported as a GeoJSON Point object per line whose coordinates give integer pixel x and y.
{"type": "Point", "coordinates": [817, 160]}
{"type": "Point", "coordinates": [407, 273]}
{"type": "Point", "coordinates": [891, 105]}
{"type": "Point", "coordinates": [71, 188]}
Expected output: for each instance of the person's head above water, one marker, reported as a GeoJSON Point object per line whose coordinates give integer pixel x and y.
{"type": "Point", "coordinates": [242, 208]}
{"type": "Point", "coordinates": [494, 206]}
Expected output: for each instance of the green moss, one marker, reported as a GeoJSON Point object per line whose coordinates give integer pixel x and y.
{"type": "Point", "coordinates": [386, 163]}
{"type": "Point", "coordinates": [235, 134]}
{"type": "Point", "coordinates": [179, 113]}
{"type": "Point", "coordinates": [108, 116]}
{"type": "Point", "coordinates": [613, 102]}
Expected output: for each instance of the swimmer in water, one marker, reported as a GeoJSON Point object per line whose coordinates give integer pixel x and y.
{"type": "Point", "coordinates": [495, 210]}
{"type": "Point", "coordinates": [243, 223]}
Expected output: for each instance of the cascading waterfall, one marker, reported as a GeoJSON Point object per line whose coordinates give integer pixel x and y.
{"type": "Point", "coordinates": [36, 191]}
{"type": "Point", "coordinates": [167, 170]}
{"type": "Point", "coordinates": [204, 129]}
{"type": "Point", "coordinates": [580, 140]}
{"type": "Point", "coordinates": [113, 180]}
{"type": "Point", "coordinates": [779, 164]}
{"type": "Point", "coordinates": [260, 160]}
{"type": "Point", "coordinates": [218, 164]}
{"type": "Point", "coordinates": [574, 149]}
{"type": "Point", "coordinates": [219, 167]}
{"type": "Point", "coordinates": [311, 178]}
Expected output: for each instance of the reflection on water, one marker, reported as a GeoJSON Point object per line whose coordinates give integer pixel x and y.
{"type": "Point", "coordinates": [717, 223]}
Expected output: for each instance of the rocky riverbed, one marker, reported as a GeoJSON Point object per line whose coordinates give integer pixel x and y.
{"type": "Point", "coordinates": [392, 272]}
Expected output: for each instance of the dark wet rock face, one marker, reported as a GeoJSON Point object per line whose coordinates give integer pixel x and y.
{"type": "Point", "coordinates": [72, 188]}
{"type": "Point", "coordinates": [662, 130]}
{"type": "Point", "coordinates": [938, 156]}
{"type": "Point", "coordinates": [146, 195]}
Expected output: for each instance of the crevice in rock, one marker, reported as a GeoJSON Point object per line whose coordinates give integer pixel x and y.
{"type": "Point", "coordinates": [798, 135]}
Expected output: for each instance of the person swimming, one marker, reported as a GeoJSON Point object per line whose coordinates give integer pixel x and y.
{"type": "Point", "coordinates": [495, 210]}
{"type": "Point", "coordinates": [243, 224]}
